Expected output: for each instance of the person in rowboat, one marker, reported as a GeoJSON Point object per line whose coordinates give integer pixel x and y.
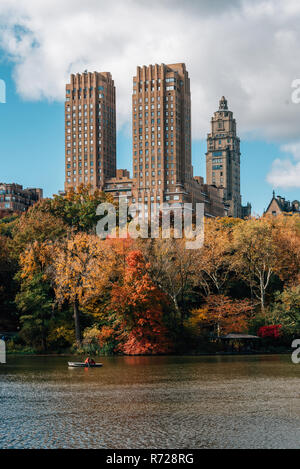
{"type": "Point", "coordinates": [90, 361]}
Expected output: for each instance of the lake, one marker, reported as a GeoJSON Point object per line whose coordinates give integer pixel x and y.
{"type": "Point", "coordinates": [151, 402]}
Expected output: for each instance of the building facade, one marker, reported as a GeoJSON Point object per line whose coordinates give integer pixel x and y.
{"type": "Point", "coordinates": [161, 126]}
{"type": "Point", "coordinates": [223, 160]}
{"type": "Point", "coordinates": [15, 199]}
{"type": "Point", "coordinates": [90, 130]}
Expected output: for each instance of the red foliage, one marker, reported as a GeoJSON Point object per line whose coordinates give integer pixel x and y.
{"type": "Point", "coordinates": [138, 302]}
{"type": "Point", "coordinates": [270, 331]}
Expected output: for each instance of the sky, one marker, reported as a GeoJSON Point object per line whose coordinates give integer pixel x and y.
{"type": "Point", "coordinates": [247, 50]}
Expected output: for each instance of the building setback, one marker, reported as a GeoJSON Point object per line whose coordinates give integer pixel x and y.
{"type": "Point", "coordinates": [15, 199]}
{"type": "Point", "coordinates": [90, 130]}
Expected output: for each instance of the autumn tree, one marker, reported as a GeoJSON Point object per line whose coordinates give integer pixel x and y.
{"type": "Point", "coordinates": [222, 314]}
{"type": "Point", "coordinates": [255, 256]}
{"type": "Point", "coordinates": [35, 299]}
{"type": "Point", "coordinates": [82, 268]}
{"type": "Point", "coordinates": [139, 305]}
{"type": "Point", "coordinates": [286, 240]}
{"type": "Point", "coordinates": [171, 267]}
{"type": "Point", "coordinates": [7, 225]}
{"type": "Point", "coordinates": [36, 225]}
{"type": "Point", "coordinates": [99, 305]}
{"type": "Point", "coordinates": [213, 260]}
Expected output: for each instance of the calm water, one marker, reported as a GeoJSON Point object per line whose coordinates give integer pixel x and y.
{"type": "Point", "coordinates": [151, 402]}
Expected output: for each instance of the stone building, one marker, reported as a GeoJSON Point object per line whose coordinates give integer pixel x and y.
{"type": "Point", "coordinates": [279, 205]}
{"type": "Point", "coordinates": [223, 160]}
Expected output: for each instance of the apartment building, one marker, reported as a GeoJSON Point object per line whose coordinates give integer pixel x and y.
{"type": "Point", "coordinates": [161, 132]}
{"type": "Point", "coordinates": [15, 199]}
{"type": "Point", "coordinates": [90, 130]}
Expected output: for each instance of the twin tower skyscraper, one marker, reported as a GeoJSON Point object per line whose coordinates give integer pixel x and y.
{"type": "Point", "coordinates": [161, 142]}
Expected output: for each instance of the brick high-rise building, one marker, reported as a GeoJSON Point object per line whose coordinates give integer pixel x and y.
{"type": "Point", "coordinates": [223, 158]}
{"type": "Point", "coordinates": [161, 125]}
{"type": "Point", "coordinates": [90, 130]}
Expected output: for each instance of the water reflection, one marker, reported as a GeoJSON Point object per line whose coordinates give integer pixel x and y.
{"type": "Point", "coordinates": [151, 402]}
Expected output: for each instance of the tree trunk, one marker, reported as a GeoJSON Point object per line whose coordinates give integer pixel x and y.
{"type": "Point", "coordinates": [178, 311]}
{"type": "Point", "coordinates": [77, 322]}
{"type": "Point", "coordinates": [262, 296]}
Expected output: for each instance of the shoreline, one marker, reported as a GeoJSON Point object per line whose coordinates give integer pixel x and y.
{"type": "Point", "coordinates": [204, 354]}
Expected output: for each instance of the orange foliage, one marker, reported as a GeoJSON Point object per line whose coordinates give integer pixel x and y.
{"type": "Point", "coordinates": [139, 303]}
{"type": "Point", "coordinates": [223, 314]}
{"type": "Point", "coordinates": [82, 268]}
{"type": "Point", "coordinates": [38, 258]}
{"type": "Point", "coordinates": [286, 238]}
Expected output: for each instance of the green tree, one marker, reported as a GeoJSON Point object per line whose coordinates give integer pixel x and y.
{"type": "Point", "coordinates": [286, 310]}
{"type": "Point", "coordinates": [36, 303]}
{"type": "Point", "coordinates": [77, 209]}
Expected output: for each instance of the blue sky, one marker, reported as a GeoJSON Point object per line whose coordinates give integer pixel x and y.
{"type": "Point", "coordinates": [41, 43]}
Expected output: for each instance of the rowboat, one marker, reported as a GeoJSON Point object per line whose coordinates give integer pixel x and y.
{"type": "Point", "coordinates": [83, 365]}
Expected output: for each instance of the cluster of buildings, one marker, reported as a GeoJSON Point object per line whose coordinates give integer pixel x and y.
{"type": "Point", "coordinates": [15, 199]}
{"type": "Point", "coordinates": [162, 170]}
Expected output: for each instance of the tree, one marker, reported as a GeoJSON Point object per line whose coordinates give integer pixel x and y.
{"type": "Point", "coordinates": [36, 225]}
{"type": "Point", "coordinates": [7, 225]}
{"type": "Point", "coordinates": [35, 302]}
{"type": "Point", "coordinates": [36, 299]}
{"type": "Point", "coordinates": [171, 267]}
{"type": "Point", "coordinates": [138, 303]}
{"type": "Point", "coordinates": [286, 310]}
{"type": "Point", "coordinates": [8, 268]}
{"type": "Point", "coordinates": [99, 305]}
{"type": "Point", "coordinates": [82, 268]}
{"type": "Point", "coordinates": [222, 314]}
{"type": "Point", "coordinates": [286, 239]}
{"type": "Point", "coordinates": [213, 260]}
{"type": "Point", "coordinates": [254, 259]}
{"type": "Point", "coordinates": [77, 208]}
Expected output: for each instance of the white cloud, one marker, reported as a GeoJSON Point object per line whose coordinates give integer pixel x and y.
{"type": "Point", "coordinates": [244, 49]}
{"type": "Point", "coordinates": [285, 173]}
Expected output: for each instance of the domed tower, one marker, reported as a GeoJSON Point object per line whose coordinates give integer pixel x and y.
{"type": "Point", "coordinates": [223, 158]}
